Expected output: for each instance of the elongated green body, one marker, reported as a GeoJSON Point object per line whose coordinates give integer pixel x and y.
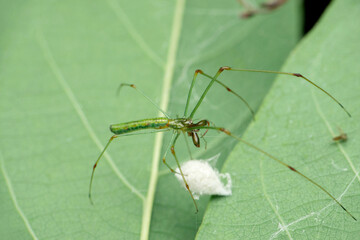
{"type": "Point", "coordinates": [150, 123]}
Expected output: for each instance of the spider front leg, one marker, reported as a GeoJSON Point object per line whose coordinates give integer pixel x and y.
{"type": "Point", "coordinates": [96, 163]}
{"type": "Point", "coordinates": [167, 150]}
{"type": "Point", "coordinates": [164, 161]}
{"type": "Point", "coordinates": [199, 71]}
{"type": "Point", "coordinates": [181, 173]}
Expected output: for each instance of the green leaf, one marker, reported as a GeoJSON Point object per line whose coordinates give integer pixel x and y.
{"type": "Point", "coordinates": [296, 123]}
{"type": "Point", "coordinates": [60, 65]}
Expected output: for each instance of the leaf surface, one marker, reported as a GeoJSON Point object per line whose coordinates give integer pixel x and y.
{"type": "Point", "coordinates": [60, 65]}
{"type": "Point", "coordinates": [296, 123]}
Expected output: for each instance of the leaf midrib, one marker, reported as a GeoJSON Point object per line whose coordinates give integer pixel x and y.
{"type": "Point", "coordinates": [167, 80]}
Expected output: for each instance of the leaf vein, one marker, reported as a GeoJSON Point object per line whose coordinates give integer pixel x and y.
{"type": "Point", "coordinates": [168, 76]}
{"type": "Point", "coordinates": [75, 103]}
{"type": "Point", "coordinates": [341, 148]}
{"type": "Point", "coordinates": [317, 213]}
{"type": "Point", "coordinates": [14, 200]}
{"type": "Point", "coordinates": [134, 34]}
{"type": "Point", "coordinates": [271, 204]}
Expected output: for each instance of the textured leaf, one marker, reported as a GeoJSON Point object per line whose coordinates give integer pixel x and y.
{"type": "Point", "coordinates": [60, 65]}
{"type": "Point", "coordinates": [296, 123]}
